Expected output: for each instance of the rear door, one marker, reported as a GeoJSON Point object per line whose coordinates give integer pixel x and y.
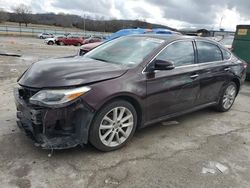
{"type": "Point", "coordinates": [176, 90]}
{"type": "Point", "coordinates": [214, 70]}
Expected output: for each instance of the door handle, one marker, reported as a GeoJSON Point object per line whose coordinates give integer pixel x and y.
{"type": "Point", "coordinates": [227, 69]}
{"type": "Point", "coordinates": [194, 76]}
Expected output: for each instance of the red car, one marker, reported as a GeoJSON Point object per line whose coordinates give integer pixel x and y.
{"type": "Point", "coordinates": [92, 40]}
{"type": "Point", "coordinates": [70, 40]}
{"type": "Point", "coordinates": [87, 47]}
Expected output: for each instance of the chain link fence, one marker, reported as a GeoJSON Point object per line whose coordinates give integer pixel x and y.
{"type": "Point", "coordinates": [34, 31]}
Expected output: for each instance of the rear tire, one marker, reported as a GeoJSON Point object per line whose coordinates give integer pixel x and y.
{"type": "Point", "coordinates": [227, 97]}
{"type": "Point", "coordinates": [113, 126]}
{"type": "Point", "coordinates": [61, 43]}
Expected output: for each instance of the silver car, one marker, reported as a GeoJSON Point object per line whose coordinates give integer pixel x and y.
{"type": "Point", "coordinates": [45, 35]}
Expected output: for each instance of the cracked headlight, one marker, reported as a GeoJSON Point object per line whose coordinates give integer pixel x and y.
{"type": "Point", "coordinates": [57, 97]}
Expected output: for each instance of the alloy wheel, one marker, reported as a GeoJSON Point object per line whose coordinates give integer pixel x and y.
{"type": "Point", "coordinates": [116, 126]}
{"type": "Point", "coordinates": [229, 96]}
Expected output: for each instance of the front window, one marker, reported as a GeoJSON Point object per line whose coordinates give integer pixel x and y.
{"type": "Point", "coordinates": [181, 53]}
{"type": "Point", "coordinates": [128, 51]}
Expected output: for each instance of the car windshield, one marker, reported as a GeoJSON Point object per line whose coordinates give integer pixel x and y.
{"type": "Point", "coordinates": [128, 51]}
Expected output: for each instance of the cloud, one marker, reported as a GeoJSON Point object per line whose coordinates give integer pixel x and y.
{"type": "Point", "coordinates": [200, 12]}
{"type": "Point", "coordinates": [241, 6]}
{"type": "Point", "coordinates": [101, 7]}
{"type": "Point", "coordinates": [185, 13]}
{"type": "Point", "coordinates": [190, 11]}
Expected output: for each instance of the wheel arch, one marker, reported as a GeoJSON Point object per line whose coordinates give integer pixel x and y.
{"type": "Point", "coordinates": [132, 100]}
{"type": "Point", "coordinates": [237, 82]}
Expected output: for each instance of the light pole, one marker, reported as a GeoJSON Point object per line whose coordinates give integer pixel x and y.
{"type": "Point", "coordinates": [84, 24]}
{"type": "Point", "coordinates": [221, 19]}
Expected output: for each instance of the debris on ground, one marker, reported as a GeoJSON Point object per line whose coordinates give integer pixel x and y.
{"type": "Point", "coordinates": [222, 168]}
{"type": "Point", "coordinates": [10, 54]}
{"type": "Point", "coordinates": [208, 170]}
{"type": "Point", "coordinates": [212, 167]}
{"type": "Point", "coordinates": [170, 123]}
{"type": "Point", "coordinates": [111, 181]}
{"type": "Point", "coordinates": [13, 70]}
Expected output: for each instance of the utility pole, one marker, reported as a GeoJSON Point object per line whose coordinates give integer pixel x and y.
{"type": "Point", "coordinates": [84, 24]}
{"type": "Point", "coordinates": [221, 19]}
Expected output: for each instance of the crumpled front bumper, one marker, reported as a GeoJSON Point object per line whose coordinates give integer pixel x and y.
{"type": "Point", "coordinates": [54, 128]}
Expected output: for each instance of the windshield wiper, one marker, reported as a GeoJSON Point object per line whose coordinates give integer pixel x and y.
{"type": "Point", "coordinates": [99, 59]}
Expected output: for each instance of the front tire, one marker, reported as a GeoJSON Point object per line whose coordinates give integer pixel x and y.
{"type": "Point", "coordinates": [50, 43]}
{"type": "Point", "coordinates": [227, 97]}
{"type": "Point", "coordinates": [113, 126]}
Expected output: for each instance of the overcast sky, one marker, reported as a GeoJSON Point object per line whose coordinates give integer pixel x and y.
{"type": "Point", "coordinates": [178, 14]}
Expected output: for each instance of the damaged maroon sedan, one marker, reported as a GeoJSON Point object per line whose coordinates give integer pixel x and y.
{"type": "Point", "coordinates": [122, 85]}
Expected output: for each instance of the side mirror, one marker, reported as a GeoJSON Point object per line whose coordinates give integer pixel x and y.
{"type": "Point", "coordinates": [163, 65]}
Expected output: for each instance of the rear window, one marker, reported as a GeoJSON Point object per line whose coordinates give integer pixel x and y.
{"type": "Point", "coordinates": [208, 52]}
{"type": "Point", "coordinates": [227, 41]}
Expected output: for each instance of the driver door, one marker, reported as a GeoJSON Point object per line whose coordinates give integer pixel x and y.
{"type": "Point", "coordinates": [176, 90]}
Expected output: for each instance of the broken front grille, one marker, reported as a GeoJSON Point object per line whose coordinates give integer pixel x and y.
{"type": "Point", "coordinates": [26, 93]}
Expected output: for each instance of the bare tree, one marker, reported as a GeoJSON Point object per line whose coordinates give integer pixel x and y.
{"type": "Point", "coordinates": [4, 16]}
{"type": "Point", "coordinates": [23, 14]}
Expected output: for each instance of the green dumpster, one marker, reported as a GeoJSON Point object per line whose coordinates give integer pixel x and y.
{"type": "Point", "coordinates": [241, 45]}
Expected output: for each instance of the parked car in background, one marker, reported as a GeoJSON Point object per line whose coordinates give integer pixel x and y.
{"type": "Point", "coordinates": [164, 31]}
{"type": "Point", "coordinates": [52, 41]}
{"type": "Point", "coordinates": [227, 41]}
{"type": "Point", "coordinates": [92, 40]}
{"type": "Point", "coordinates": [45, 35]}
{"type": "Point", "coordinates": [70, 40]}
{"type": "Point", "coordinates": [123, 85]}
{"type": "Point", "coordinates": [87, 47]}
{"type": "Point", "coordinates": [241, 45]}
{"type": "Point", "coordinates": [126, 32]}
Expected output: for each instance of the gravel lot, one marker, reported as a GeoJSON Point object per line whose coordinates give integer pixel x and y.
{"type": "Point", "coordinates": [178, 153]}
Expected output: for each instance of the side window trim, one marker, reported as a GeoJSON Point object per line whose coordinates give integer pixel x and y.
{"type": "Point", "coordinates": [147, 67]}
{"type": "Point", "coordinates": [176, 41]}
{"type": "Point", "coordinates": [195, 53]}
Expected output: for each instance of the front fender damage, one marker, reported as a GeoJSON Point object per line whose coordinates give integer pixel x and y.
{"type": "Point", "coordinates": [55, 128]}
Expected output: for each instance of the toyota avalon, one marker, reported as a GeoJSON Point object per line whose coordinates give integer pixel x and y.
{"type": "Point", "coordinates": [128, 83]}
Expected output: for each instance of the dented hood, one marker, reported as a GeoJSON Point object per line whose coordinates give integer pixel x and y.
{"type": "Point", "coordinates": [64, 72]}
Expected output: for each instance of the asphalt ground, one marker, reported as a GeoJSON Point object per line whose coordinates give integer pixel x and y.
{"type": "Point", "coordinates": [201, 149]}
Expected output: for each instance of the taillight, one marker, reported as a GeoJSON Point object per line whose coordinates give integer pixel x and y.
{"type": "Point", "coordinates": [244, 64]}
